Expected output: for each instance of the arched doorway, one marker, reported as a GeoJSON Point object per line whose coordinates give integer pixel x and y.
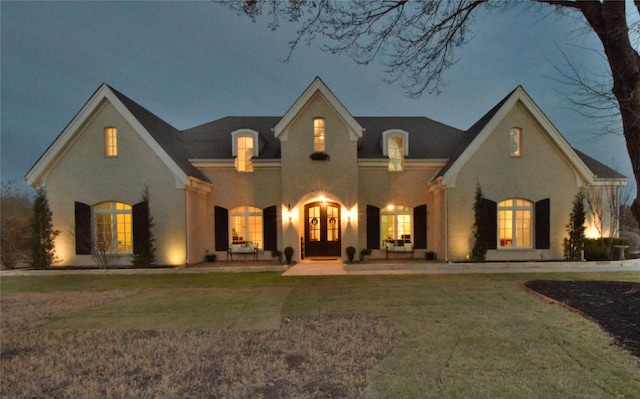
{"type": "Point", "coordinates": [322, 229]}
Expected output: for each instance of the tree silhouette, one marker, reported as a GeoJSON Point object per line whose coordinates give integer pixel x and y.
{"type": "Point", "coordinates": [416, 41]}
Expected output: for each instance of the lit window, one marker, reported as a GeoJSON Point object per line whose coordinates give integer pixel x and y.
{"type": "Point", "coordinates": [110, 141]}
{"type": "Point", "coordinates": [113, 228]}
{"type": "Point", "coordinates": [246, 226]}
{"type": "Point", "coordinates": [395, 222]}
{"type": "Point", "coordinates": [395, 145]}
{"type": "Point", "coordinates": [514, 223]}
{"type": "Point", "coordinates": [515, 142]}
{"type": "Point", "coordinates": [318, 135]}
{"type": "Point", "coordinates": [245, 153]}
{"type": "Point", "coordinates": [395, 151]}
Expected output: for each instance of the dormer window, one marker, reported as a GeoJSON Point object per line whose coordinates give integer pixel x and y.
{"type": "Point", "coordinates": [244, 148]}
{"type": "Point", "coordinates": [515, 142]}
{"type": "Point", "coordinates": [318, 135]}
{"type": "Point", "coordinates": [110, 141]}
{"type": "Point", "coordinates": [396, 147]}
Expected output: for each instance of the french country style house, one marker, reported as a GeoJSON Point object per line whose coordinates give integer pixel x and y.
{"type": "Point", "coordinates": [316, 179]}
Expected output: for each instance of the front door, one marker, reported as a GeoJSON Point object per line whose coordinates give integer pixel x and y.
{"type": "Point", "coordinates": [322, 229]}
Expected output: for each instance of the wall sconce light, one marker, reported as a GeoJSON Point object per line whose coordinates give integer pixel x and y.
{"type": "Point", "coordinates": [349, 214]}
{"type": "Point", "coordinates": [288, 214]}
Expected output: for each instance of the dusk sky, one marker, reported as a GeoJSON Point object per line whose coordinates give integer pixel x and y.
{"type": "Point", "coordinates": [191, 63]}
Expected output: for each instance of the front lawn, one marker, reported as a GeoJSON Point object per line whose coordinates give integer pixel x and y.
{"type": "Point", "coordinates": [262, 335]}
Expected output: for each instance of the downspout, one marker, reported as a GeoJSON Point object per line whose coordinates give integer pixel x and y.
{"type": "Point", "coordinates": [186, 224]}
{"type": "Point", "coordinates": [446, 224]}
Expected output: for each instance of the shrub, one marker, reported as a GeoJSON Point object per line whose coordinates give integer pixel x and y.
{"type": "Point", "coordinates": [351, 251]}
{"type": "Point", "coordinates": [573, 245]}
{"type": "Point", "coordinates": [42, 233]}
{"type": "Point", "coordinates": [288, 253]}
{"type": "Point", "coordinates": [601, 248]}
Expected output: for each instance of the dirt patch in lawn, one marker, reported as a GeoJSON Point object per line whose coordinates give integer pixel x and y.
{"type": "Point", "coordinates": [614, 305]}
{"type": "Point", "coordinates": [325, 356]}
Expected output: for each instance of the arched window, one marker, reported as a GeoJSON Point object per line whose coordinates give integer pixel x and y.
{"type": "Point", "coordinates": [515, 223]}
{"type": "Point", "coordinates": [396, 223]}
{"type": "Point", "coordinates": [246, 226]}
{"type": "Point", "coordinates": [244, 148]}
{"type": "Point", "coordinates": [396, 147]}
{"type": "Point", "coordinates": [113, 228]}
{"type": "Point", "coordinates": [318, 135]}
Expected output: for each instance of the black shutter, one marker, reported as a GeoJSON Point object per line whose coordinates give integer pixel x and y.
{"type": "Point", "coordinates": [373, 227]}
{"type": "Point", "coordinates": [140, 225]}
{"type": "Point", "coordinates": [83, 228]}
{"type": "Point", "coordinates": [270, 228]}
{"type": "Point", "coordinates": [420, 227]}
{"type": "Point", "coordinates": [222, 228]}
{"type": "Point", "coordinates": [543, 224]}
{"type": "Point", "coordinates": [490, 222]}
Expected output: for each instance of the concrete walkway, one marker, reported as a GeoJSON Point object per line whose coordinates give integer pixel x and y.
{"type": "Point", "coordinates": [337, 268]}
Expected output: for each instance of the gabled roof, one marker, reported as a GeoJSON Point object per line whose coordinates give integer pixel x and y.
{"type": "Point", "coordinates": [480, 131]}
{"type": "Point", "coordinates": [429, 139]}
{"type": "Point", "coordinates": [160, 136]}
{"type": "Point", "coordinates": [168, 137]}
{"type": "Point", "coordinates": [318, 86]}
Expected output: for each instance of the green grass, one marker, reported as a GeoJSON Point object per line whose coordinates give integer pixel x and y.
{"type": "Point", "coordinates": [480, 336]}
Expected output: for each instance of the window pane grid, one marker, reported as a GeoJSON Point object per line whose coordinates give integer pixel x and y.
{"type": "Point", "coordinates": [318, 135]}
{"type": "Point", "coordinates": [114, 228]}
{"type": "Point", "coordinates": [333, 226]}
{"type": "Point", "coordinates": [514, 224]}
{"type": "Point", "coordinates": [246, 226]}
{"type": "Point", "coordinates": [245, 153]}
{"type": "Point", "coordinates": [110, 142]}
{"type": "Point", "coordinates": [395, 223]}
{"type": "Point", "coordinates": [395, 152]}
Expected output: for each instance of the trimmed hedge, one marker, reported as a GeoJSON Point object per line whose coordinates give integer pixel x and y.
{"type": "Point", "coordinates": [601, 248]}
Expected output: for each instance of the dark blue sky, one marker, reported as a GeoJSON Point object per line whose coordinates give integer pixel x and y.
{"type": "Point", "coordinates": [190, 63]}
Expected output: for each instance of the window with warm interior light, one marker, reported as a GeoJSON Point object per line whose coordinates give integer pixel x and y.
{"type": "Point", "coordinates": [395, 151]}
{"type": "Point", "coordinates": [245, 154]}
{"type": "Point", "coordinates": [113, 228]}
{"type": "Point", "coordinates": [395, 222]}
{"type": "Point", "coordinates": [515, 223]}
{"type": "Point", "coordinates": [110, 141]}
{"type": "Point", "coordinates": [318, 135]}
{"type": "Point", "coordinates": [246, 226]}
{"type": "Point", "coordinates": [395, 145]}
{"type": "Point", "coordinates": [515, 142]}
{"type": "Point", "coordinates": [244, 147]}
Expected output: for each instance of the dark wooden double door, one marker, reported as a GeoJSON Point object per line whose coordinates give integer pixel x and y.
{"type": "Point", "coordinates": [322, 229]}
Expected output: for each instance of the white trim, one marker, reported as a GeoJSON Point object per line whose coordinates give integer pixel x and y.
{"type": "Point", "coordinates": [403, 134]}
{"type": "Point", "coordinates": [317, 86]}
{"type": "Point", "coordinates": [520, 97]}
{"type": "Point", "coordinates": [75, 127]}
{"type": "Point", "coordinates": [375, 163]}
{"type": "Point", "coordinates": [244, 133]}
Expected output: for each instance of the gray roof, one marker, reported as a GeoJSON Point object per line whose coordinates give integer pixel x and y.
{"type": "Point", "coordinates": [428, 139]}
{"type": "Point", "coordinates": [601, 170]}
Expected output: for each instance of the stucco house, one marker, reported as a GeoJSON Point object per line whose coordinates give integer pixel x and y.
{"type": "Point", "coordinates": [316, 179]}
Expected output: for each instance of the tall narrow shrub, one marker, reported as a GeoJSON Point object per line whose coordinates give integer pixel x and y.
{"type": "Point", "coordinates": [144, 250]}
{"type": "Point", "coordinates": [42, 235]}
{"type": "Point", "coordinates": [479, 251]}
{"type": "Point", "coordinates": [574, 244]}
